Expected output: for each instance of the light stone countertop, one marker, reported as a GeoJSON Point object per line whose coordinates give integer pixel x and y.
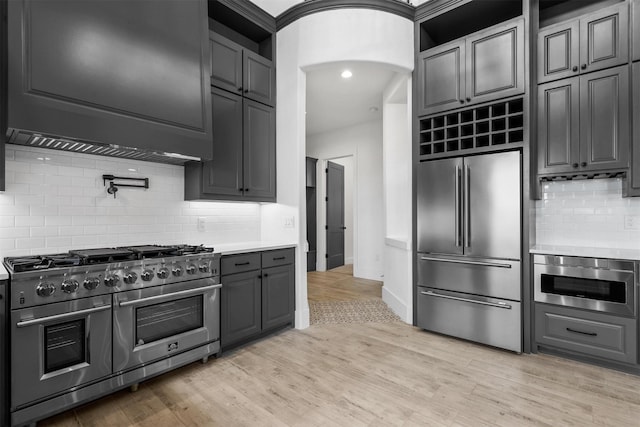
{"type": "Point", "coordinates": [592, 252]}
{"type": "Point", "coordinates": [3, 271]}
{"type": "Point", "coordinates": [242, 247]}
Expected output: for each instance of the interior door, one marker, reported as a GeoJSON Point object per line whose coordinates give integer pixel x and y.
{"type": "Point", "coordinates": [439, 206]}
{"type": "Point", "coordinates": [492, 205]}
{"type": "Point", "coordinates": [335, 215]}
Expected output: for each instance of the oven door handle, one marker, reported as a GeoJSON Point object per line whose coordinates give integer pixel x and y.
{"type": "Point", "coordinates": [165, 296]}
{"type": "Point", "coordinates": [40, 320]}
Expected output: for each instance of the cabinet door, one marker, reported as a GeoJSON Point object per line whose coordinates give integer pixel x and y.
{"type": "Point", "coordinates": [226, 63]}
{"type": "Point", "coordinates": [259, 78]}
{"type": "Point", "coordinates": [277, 296]}
{"type": "Point", "coordinates": [133, 74]}
{"type": "Point", "coordinates": [558, 51]}
{"type": "Point", "coordinates": [604, 37]}
{"type": "Point", "coordinates": [259, 151]}
{"type": "Point", "coordinates": [441, 78]}
{"type": "Point", "coordinates": [604, 119]}
{"type": "Point", "coordinates": [223, 174]}
{"type": "Point", "coordinates": [635, 145]}
{"type": "Point", "coordinates": [240, 307]}
{"type": "Point", "coordinates": [495, 63]}
{"type": "Point", "coordinates": [635, 29]}
{"type": "Point", "coordinates": [559, 126]}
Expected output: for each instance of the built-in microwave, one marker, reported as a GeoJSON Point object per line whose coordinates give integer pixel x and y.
{"type": "Point", "coordinates": [605, 285]}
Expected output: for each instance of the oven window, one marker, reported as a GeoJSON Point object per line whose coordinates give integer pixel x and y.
{"type": "Point", "coordinates": [154, 322]}
{"type": "Point", "coordinates": [603, 290]}
{"type": "Point", "coordinates": [65, 345]}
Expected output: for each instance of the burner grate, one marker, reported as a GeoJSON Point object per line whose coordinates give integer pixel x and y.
{"type": "Point", "coordinates": [100, 256]}
{"type": "Point", "coordinates": [41, 262]}
{"type": "Point", "coordinates": [154, 251]}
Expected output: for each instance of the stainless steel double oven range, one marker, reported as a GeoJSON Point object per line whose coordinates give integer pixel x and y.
{"type": "Point", "coordinates": [88, 322]}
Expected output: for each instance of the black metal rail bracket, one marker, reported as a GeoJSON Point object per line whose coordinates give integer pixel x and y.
{"type": "Point", "coordinates": [113, 186]}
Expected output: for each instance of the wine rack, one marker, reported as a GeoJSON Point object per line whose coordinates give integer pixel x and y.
{"type": "Point", "coordinates": [492, 125]}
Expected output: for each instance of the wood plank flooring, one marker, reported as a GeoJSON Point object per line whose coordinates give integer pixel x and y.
{"type": "Point", "coordinates": [376, 374]}
{"type": "Point", "coordinates": [340, 285]}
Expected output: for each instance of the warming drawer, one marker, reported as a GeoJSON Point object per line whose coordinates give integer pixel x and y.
{"type": "Point", "coordinates": [490, 321]}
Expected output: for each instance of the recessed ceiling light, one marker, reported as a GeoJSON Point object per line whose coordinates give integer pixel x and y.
{"type": "Point", "coordinates": [133, 170]}
{"type": "Point", "coordinates": [346, 74]}
{"type": "Point", "coordinates": [373, 109]}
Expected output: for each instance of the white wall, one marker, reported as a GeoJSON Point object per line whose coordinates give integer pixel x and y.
{"type": "Point", "coordinates": [589, 213]}
{"type": "Point", "coordinates": [363, 143]}
{"type": "Point", "coordinates": [349, 215]}
{"type": "Point", "coordinates": [325, 37]}
{"type": "Point", "coordinates": [397, 160]}
{"type": "Point", "coordinates": [56, 201]}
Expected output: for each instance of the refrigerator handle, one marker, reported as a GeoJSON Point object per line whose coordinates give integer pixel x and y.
{"type": "Point", "coordinates": [467, 207]}
{"type": "Point", "coordinates": [458, 233]}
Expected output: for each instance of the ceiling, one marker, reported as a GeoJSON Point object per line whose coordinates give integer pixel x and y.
{"type": "Point", "coordinates": [335, 103]}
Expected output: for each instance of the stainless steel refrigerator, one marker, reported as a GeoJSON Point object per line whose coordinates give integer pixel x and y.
{"type": "Point", "coordinates": [469, 248]}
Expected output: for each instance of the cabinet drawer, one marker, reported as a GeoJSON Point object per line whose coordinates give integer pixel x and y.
{"type": "Point", "coordinates": [238, 263]}
{"type": "Point", "coordinates": [279, 257]}
{"type": "Point", "coordinates": [594, 334]}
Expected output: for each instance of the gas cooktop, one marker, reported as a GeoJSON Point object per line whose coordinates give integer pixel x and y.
{"type": "Point", "coordinates": [81, 257]}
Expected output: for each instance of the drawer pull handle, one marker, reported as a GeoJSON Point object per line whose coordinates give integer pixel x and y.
{"type": "Point", "coordinates": [575, 331]}
{"type": "Point", "coordinates": [456, 261]}
{"type": "Point", "coordinates": [238, 264]}
{"type": "Point", "coordinates": [472, 301]}
{"type": "Point", "coordinates": [279, 258]}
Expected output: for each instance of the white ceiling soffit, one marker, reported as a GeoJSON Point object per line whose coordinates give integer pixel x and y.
{"type": "Point", "coordinates": [334, 102]}
{"type": "Point", "coordinates": [276, 7]}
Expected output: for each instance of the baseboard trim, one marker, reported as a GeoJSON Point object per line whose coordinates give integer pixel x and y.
{"type": "Point", "coordinates": [396, 305]}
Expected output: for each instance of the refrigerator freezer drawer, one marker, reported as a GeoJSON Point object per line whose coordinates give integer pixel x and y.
{"type": "Point", "coordinates": [497, 278]}
{"type": "Point", "coordinates": [488, 321]}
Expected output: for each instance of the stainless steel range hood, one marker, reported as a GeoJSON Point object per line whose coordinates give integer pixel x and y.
{"type": "Point", "coordinates": [33, 139]}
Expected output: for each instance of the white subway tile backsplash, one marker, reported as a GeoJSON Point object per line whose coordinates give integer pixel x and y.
{"type": "Point", "coordinates": [56, 201]}
{"type": "Point", "coordinates": [586, 213]}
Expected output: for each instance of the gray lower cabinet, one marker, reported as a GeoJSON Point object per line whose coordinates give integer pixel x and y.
{"type": "Point", "coordinates": [583, 123]}
{"type": "Point", "coordinates": [484, 66]}
{"type": "Point", "coordinates": [589, 333]}
{"type": "Point", "coordinates": [243, 167]}
{"type": "Point", "coordinates": [597, 41]}
{"type": "Point", "coordinates": [258, 292]}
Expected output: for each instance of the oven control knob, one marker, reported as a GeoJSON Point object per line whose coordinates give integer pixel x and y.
{"type": "Point", "coordinates": [111, 281]}
{"type": "Point", "coordinates": [163, 273]}
{"type": "Point", "coordinates": [147, 275]}
{"type": "Point", "coordinates": [45, 289]}
{"type": "Point", "coordinates": [91, 283]}
{"type": "Point", "coordinates": [203, 268]}
{"type": "Point", "coordinates": [130, 278]}
{"type": "Point", "coordinates": [191, 269]}
{"type": "Point", "coordinates": [69, 286]}
{"type": "Point", "coordinates": [177, 271]}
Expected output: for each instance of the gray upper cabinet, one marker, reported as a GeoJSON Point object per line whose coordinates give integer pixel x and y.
{"type": "Point", "coordinates": [133, 74]}
{"type": "Point", "coordinates": [441, 73]}
{"type": "Point", "coordinates": [633, 184]}
{"type": "Point", "coordinates": [583, 123]}
{"type": "Point", "coordinates": [259, 152]}
{"type": "Point", "coordinates": [635, 30]}
{"type": "Point", "coordinates": [495, 63]}
{"type": "Point", "coordinates": [594, 42]}
{"type": "Point", "coordinates": [237, 69]}
{"type": "Point", "coordinates": [484, 66]}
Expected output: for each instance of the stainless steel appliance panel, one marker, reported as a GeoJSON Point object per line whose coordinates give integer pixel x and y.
{"type": "Point", "coordinates": [4, 368]}
{"type": "Point", "coordinates": [587, 273]}
{"type": "Point", "coordinates": [439, 206]}
{"type": "Point", "coordinates": [491, 217]}
{"type": "Point", "coordinates": [480, 276]}
{"type": "Point", "coordinates": [130, 350]}
{"type": "Point", "coordinates": [59, 346]}
{"type": "Point", "coordinates": [489, 321]}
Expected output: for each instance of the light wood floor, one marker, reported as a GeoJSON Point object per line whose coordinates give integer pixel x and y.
{"type": "Point", "coordinates": [385, 374]}
{"type": "Point", "coordinates": [339, 284]}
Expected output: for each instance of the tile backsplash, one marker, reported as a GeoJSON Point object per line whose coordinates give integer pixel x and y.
{"type": "Point", "coordinates": [56, 201]}
{"type": "Point", "coordinates": [589, 213]}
